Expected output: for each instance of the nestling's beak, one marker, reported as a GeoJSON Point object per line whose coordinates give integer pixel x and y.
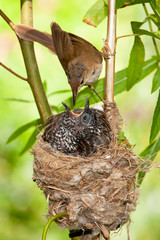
{"type": "Point", "coordinates": [69, 111]}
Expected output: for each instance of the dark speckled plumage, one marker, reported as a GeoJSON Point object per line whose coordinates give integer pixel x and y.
{"type": "Point", "coordinates": [79, 132]}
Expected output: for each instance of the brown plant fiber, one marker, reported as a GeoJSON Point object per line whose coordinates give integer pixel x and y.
{"type": "Point", "coordinates": [98, 192]}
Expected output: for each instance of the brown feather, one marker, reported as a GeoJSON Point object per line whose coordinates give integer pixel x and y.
{"type": "Point", "coordinates": [63, 45]}
{"type": "Point", "coordinates": [30, 34]}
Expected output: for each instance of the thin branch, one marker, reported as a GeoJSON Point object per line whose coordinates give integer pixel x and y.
{"type": "Point", "coordinates": [10, 23]}
{"type": "Point", "coordinates": [14, 73]}
{"type": "Point", "coordinates": [127, 35]}
{"type": "Point", "coordinates": [126, 5]}
{"type": "Point", "coordinates": [151, 29]}
{"type": "Point", "coordinates": [111, 42]}
{"type": "Point", "coordinates": [33, 76]}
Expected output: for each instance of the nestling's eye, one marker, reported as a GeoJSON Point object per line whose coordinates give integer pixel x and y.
{"type": "Point", "coordinates": [87, 119]}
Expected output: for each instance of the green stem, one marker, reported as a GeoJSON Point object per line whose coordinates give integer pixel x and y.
{"type": "Point", "coordinates": [154, 10]}
{"type": "Point", "coordinates": [49, 223]}
{"type": "Point", "coordinates": [33, 75]}
{"type": "Point", "coordinates": [151, 29]}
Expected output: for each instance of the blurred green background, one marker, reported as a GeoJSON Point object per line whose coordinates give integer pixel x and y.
{"type": "Point", "coordinates": [23, 208]}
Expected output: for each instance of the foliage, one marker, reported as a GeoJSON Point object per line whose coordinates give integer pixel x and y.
{"type": "Point", "coordinates": [137, 70]}
{"type": "Point", "coordinates": [125, 79]}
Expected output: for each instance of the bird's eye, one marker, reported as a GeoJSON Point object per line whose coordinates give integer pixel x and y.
{"type": "Point", "coordinates": [93, 72]}
{"type": "Point", "coordinates": [86, 118]}
{"type": "Point", "coordinates": [81, 82]}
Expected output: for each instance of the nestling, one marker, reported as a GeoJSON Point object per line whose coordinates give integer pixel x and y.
{"type": "Point", "coordinates": [80, 132]}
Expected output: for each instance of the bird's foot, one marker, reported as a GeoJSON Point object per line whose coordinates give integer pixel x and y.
{"type": "Point", "coordinates": [91, 87]}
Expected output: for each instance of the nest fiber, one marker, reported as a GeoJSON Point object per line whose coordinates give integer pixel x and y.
{"type": "Point", "coordinates": [98, 192]}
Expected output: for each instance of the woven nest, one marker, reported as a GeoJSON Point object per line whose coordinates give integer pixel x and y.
{"type": "Point", "coordinates": [97, 192]}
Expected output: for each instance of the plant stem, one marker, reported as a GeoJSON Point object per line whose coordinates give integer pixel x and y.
{"type": "Point", "coordinates": [127, 35]}
{"type": "Point", "coordinates": [49, 223]}
{"type": "Point", "coordinates": [3, 15]}
{"type": "Point", "coordinates": [33, 75]}
{"type": "Point", "coordinates": [110, 62]}
{"type": "Point", "coordinates": [14, 73]}
{"type": "Point", "coordinates": [151, 29]}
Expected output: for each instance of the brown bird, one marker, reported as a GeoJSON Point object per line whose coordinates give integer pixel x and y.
{"type": "Point", "coordinates": [80, 132]}
{"type": "Point", "coordinates": [81, 61]}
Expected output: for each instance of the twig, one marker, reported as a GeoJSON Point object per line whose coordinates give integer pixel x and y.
{"type": "Point", "coordinates": [127, 35]}
{"type": "Point", "coordinates": [10, 23]}
{"type": "Point", "coordinates": [33, 76]}
{"type": "Point", "coordinates": [110, 62]}
{"type": "Point", "coordinates": [14, 73]}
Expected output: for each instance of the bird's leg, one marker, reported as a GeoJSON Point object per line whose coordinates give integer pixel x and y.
{"type": "Point", "coordinates": [91, 87]}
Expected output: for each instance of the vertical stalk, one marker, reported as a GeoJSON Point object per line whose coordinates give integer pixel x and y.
{"type": "Point", "coordinates": [33, 75]}
{"type": "Point", "coordinates": [110, 62]}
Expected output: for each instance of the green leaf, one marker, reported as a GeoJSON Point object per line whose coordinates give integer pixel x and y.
{"type": "Point", "coordinates": [155, 20]}
{"type": "Point", "coordinates": [22, 129]}
{"type": "Point", "coordinates": [59, 92]}
{"type": "Point", "coordinates": [122, 137]}
{"type": "Point", "coordinates": [119, 86]}
{"type": "Point", "coordinates": [156, 81]}
{"type": "Point", "coordinates": [136, 30]}
{"type": "Point", "coordinates": [135, 62]}
{"type": "Point", "coordinates": [138, 1]}
{"type": "Point", "coordinates": [155, 128]}
{"type": "Point", "coordinates": [152, 150]}
{"type": "Point", "coordinates": [155, 4]}
{"type": "Point", "coordinates": [125, 3]}
{"type": "Point", "coordinates": [55, 108]}
{"type": "Point", "coordinates": [120, 3]}
{"type": "Point", "coordinates": [133, 2]}
{"type": "Point", "coordinates": [148, 154]}
{"type": "Point", "coordinates": [18, 100]}
{"type": "Point", "coordinates": [96, 14]}
{"type": "Point", "coordinates": [30, 141]}
{"type": "Point", "coordinates": [156, 58]}
{"type": "Point", "coordinates": [120, 81]}
{"type": "Point", "coordinates": [45, 85]}
{"type": "Point", "coordinates": [148, 67]}
{"type": "Point", "coordinates": [121, 76]}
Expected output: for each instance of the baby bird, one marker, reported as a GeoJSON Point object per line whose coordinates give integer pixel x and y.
{"type": "Point", "coordinates": [79, 132]}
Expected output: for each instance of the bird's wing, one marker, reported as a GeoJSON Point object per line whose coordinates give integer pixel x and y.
{"type": "Point", "coordinates": [63, 45]}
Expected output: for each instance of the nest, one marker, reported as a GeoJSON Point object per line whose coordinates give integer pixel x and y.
{"type": "Point", "coordinates": [98, 192]}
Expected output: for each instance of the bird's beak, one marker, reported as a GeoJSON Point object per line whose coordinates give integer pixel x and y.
{"type": "Point", "coordinates": [74, 97]}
